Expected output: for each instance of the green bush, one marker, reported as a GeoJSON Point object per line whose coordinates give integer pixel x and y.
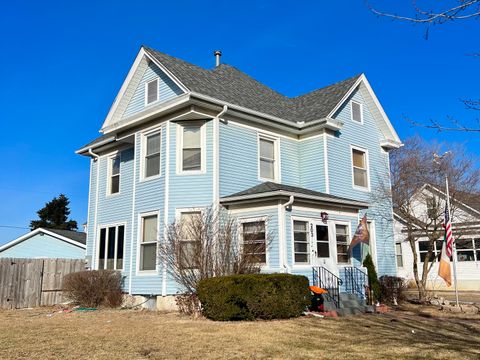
{"type": "Point", "coordinates": [94, 288]}
{"type": "Point", "coordinates": [254, 296]}
{"type": "Point", "coordinates": [372, 278]}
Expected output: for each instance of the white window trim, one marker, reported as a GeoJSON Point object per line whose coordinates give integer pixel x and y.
{"type": "Point", "coordinates": [143, 153]}
{"type": "Point", "coordinates": [179, 147]}
{"type": "Point", "coordinates": [146, 91]}
{"type": "Point", "coordinates": [106, 226]}
{"type": "Point", "coordinates": [349, 226]}
{"type": "Point", "coordinates": [276, 144]}
{"type": "Point", "coordinates": [396, 254]}
{"type": "Point", "coordinates": [139, 240]}
{"type": "Point", "coordinates": [361, 112]}
{"type": "Point", "coordinates": [367, 164]}
{"type": "Point", "coordinates": [110, 158]}
{"type": "Point", "coordinates": [309, 242]}
{"type": "Point", "coordinates": [264, 218]}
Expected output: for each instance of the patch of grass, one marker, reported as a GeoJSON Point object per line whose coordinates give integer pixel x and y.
{"type": "Point", "coordinates": [116, 334]}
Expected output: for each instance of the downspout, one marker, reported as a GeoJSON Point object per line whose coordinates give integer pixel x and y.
{"type": "Point", "coordinates": [96, 158]}
{"type": "Point", "coordinates": [288, 204]}
{"type": "Point", "coordinates": [216, 171]}
{"type": "Point", "coordinates": [216, 156]}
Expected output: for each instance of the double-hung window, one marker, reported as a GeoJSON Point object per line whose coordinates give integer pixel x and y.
{"type": "Point", "coordinates": [399, 254]}
{"type": "Point", "coordinates": [111, 246]}
{"type": "Point", "coordinates": [267, 158]}
{"type": "Point", "coordinates": [190, 225]}
{"type": "Point", "coordinates": [359, 168]}
{"type": "Point", "coordinates": [152, 155]}
{"type": "Point", "coordinates": [151, 92]}
{"type": "Point", "coordinates": [191, 151]}
{"type": "Point", "coordinates": [148, 243]}
{"type": "Point", "coordinates": [356, 110]}
{"type": "Point", "coordinates": [342, 234]}
{"type": "Point", "coordinates": [114, 176]}
{"type": "Point", "coordinates": [254, 241]}
{"type": "Point", "coordinates": [301, 243]}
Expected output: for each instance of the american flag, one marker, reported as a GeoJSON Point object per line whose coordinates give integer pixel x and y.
{"type": "Point", "coordinates": [447, 224]}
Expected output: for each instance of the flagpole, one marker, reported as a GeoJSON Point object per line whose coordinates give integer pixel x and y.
{"type": "Point", "coordinates": [454, 247]}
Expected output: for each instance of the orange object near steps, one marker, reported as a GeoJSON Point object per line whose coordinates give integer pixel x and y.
{"type": "Point", "coordinates": [317, 290]}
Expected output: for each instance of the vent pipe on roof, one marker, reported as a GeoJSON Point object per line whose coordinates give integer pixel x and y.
{"type": "Point", "coordinates": [217, 54]}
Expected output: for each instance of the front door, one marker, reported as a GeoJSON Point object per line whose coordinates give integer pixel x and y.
{"type": "Point", "coordinates": [322, 246]}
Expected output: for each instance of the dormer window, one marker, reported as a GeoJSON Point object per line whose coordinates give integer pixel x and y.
{"type": "Point", "coordinates": [151, 92]}
{"type": "Point", "coordinates": [357, 111]}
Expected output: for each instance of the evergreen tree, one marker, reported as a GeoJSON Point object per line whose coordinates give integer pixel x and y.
{"type": "Point", "coordinates": [54, 215]}
{"type": "Point", "coordinates": [372, 277]}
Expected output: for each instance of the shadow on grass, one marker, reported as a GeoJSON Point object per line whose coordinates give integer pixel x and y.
{"type": "Point", "coordinates": [395, 333]}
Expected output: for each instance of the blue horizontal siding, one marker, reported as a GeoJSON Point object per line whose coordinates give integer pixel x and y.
{"type": "Point", "coordinates": [167, 90]}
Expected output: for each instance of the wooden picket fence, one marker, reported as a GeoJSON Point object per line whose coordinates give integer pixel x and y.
{"type": "Point", "coordinates": [28, 283]}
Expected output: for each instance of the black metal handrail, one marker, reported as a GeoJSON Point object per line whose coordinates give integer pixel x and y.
{"type": "Point", "coordinates": [328, 281]}
{"type": "Point", "coordinates": [356, 282]}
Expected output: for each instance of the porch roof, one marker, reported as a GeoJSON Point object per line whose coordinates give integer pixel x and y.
{"type": "Point", "coordinates": [269, 190]}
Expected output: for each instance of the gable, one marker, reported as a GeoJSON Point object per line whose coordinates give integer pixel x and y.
{"type": "Point", "coordinates": [130, 100]}
{"type": "Point", "coordinates": [42, 245]}
{"type": "Point", "coordinates": [462, 213]}
{"type": "Point", "coordinates": [167, 89]}
{"type": "Point", "coordinates": [370, 101]}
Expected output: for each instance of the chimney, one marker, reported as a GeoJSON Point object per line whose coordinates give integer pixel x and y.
{"type": "Point", "coordinates": [217, 54]}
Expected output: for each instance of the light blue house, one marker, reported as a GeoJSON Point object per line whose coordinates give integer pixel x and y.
{"type": "Point", "coordinates": [46, 244]}
{"type": "Point", "coordinates": [179, 138]}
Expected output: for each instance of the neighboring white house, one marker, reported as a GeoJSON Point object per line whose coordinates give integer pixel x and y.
{"type": "Point", "coordinates": [46, 243]}
{"type": "Point", "coordinates": [466, 231]}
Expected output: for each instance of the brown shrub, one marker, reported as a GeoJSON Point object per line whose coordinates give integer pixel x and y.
{"type": "Point", "coordinates": [94, 288]}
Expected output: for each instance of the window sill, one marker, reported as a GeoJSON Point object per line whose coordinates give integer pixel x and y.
{"type": "Point", "coordinates": [361, 188]}
{"type": "Point", "coordinates": [110, 196]}
{"type": "Point", "coordinates": [147, 273]}
{"type": "Point", "coordinates": [193, 172]}
{"type": "Point", "coordinates": [150, 178]}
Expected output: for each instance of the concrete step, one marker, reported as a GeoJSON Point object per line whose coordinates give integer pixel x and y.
{"type": "Point", "coordinates": [350, 311]}
{"type": "Point", "coordinates": [347, 296]}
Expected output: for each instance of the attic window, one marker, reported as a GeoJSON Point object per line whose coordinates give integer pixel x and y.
{"type": "Point", "coordinates": [151, 92]}
{"type": "Point", "coordinates": [356, 112]}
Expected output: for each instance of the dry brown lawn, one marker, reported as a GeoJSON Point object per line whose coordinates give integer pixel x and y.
{"type": "Point", "coordinates": [127, 334]}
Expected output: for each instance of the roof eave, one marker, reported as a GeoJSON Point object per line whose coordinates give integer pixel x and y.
{"type": "Point", "coordinates": [230, 200]}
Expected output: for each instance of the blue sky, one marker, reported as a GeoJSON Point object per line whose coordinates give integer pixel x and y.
{"type": "Point", "coordinates": [62, 64]}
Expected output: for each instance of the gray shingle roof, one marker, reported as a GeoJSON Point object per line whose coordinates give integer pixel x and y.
{"type": "Point", "coordinates": [77, 236]}
{"type": "Point", "coordinates": [269, 187]}
{"type": "Point", "coordinates": [229, 84]}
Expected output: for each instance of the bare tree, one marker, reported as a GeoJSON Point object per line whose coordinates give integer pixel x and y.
{"type": "Point", "coordinates": [439, 13]}
{"type": "Point", "coordinates": [211, 243]}
{"type": "Point", "coordinates": [417, 193]}
{"type": "Point", "coordinates": [446, 11]}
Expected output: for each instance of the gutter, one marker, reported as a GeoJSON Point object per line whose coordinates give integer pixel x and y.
{"type": "Point", "coordinates": [89, 148]}
{"type": "Point", "coordinates": [246, 110]}
{"type": "Point", "coordinates": [354, 203]}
